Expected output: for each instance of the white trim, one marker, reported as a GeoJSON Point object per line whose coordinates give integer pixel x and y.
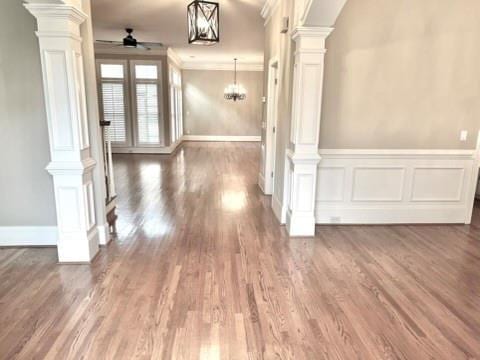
{"type": "Point", "coordinates": [269, 9]}
{"type": "Point", "coordinates": [261, 182]}
{"type": "Point", "coordinates": [474, 182]}
{"type": "Point", "coordinates": [271, 123]}
{"type": "Point", "coordinates": [104, 234]}
{"type": "Point", "coordinates": [396, 186]}
{"type": "Point", "coordinates": [174, 59]}
{"type": "Point", "coordinates": [28, 236]}
{"type": "Point", "coordinates": [279, 210]}
{"type": "Point", "coordinates": [149, 150]}
{"type": "Point", "coordinates": [221, 138]}
{"type": "Point", "coordinates": [398, 153]}
{"type": "Point", "coordinates": [221, 66]}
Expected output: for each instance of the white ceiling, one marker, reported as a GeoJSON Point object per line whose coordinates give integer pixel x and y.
{"type": "Point", "coordinates": [241, 27]}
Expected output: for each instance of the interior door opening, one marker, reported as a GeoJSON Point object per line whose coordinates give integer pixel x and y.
{"type": "Point", "coordinates": [271, 128]}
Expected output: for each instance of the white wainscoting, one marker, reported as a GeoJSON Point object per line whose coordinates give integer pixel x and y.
{"type": "Point", "coordinates": [395, 186]}
{"type": "Point", "coordinates": [28, 235]}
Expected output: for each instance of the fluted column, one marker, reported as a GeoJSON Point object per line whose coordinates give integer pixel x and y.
{"type": "Point", "coordinates": [71, 163]}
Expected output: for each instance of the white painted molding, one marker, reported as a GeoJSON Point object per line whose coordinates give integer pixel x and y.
{"type": "Point", "coordinates": [261, 182]}
{"type": "Point", "coordinates": [104, 234]}
{"type": "Point", "coordinates": [401, 153]}
{"type": "Point", "coordinates": [395, 186]}
{"type": "Point", "coordinates": [149, 150]}
{"type": "Point", "coordinates": [221, 66]}
{"type": "Point", "coordinates": [138, 150]}
{"type": "Point", "coordinates": [221, 138]}
{"type": "Point", "coordinates": [280, 210]}
{"type": "Point", "coordinates": [474, 189]}
{"type": "Point", "coordinates": [269, 9]}
{"type": "Point", "coordinates": [28, 236]}
{"type": "Point", "coordinates": [174, 58]}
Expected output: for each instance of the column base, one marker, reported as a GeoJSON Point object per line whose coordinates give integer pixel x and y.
{"type": "Point", "coordinates": [104, 234]}
{"type": "Point", "coordinates": [78, 248]}
{"type": "Point", "coordinates": [300, 225]}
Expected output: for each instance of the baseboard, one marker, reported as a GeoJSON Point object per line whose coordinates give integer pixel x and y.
{"type": "Point", "coordinates": [104, 234]}
{"type": "Point", "coordinates": [167, 150]}
{"type": "Point", "coordinates": [279, 210]}
{"type": "Point", "coordinates": [28, 236]}
{"type": "Point", "coordinates": [261, 182]}
{"type": "Point", "coordinates": [387, 215]}
{"type": "Point", "coordinates": [222, 138]}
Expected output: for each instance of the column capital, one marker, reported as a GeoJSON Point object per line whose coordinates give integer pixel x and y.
{"type": "Point", "coordinates": [310, 37]}
{"type": "Point", "coordinates": [58, 11]}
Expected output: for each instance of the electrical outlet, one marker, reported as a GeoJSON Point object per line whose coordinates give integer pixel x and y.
{"type": "Point", "coordinates": [463, 135]}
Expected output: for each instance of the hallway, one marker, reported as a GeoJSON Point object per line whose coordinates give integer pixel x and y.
{"type": "Point", "coordinates": [202, 270]}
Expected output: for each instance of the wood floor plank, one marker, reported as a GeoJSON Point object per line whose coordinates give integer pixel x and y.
{"type": "Point", "coordinates": [201, 269]}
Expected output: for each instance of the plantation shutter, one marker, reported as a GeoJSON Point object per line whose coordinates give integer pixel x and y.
{"type": "Point", "coordinates": [146, 98]}
{"type": "Point", "coordinates": [147, 114]}
{"type": "Point", "coordinates": [114, 110]}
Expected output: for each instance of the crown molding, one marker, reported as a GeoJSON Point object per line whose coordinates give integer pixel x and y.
{"type": "Point", "coordinates": [221, 66]}
{"type": "Point", "coordinates": [174, 58]}
{"type": "Point", "coordinates": [311, 32]}
{"type": "Point", "coordinates": [56, 11]}
{"type": "Point", "coordinates": [268, 9]}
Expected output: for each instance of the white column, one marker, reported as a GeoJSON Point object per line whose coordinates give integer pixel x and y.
{"type": "Point", "coordinates": [305, 128]}
{"type": "Point", "coordinates": [71, 163]}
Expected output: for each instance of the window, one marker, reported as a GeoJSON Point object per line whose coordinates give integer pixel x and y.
{"type": "Point", "coordinates": [146, 100]}
{"type": "Point", "coordinates": [176, 122]}
{"type": "Point", "coordinates": [131, 100]}
{"type": "Point", "coordinates": [112, 93]}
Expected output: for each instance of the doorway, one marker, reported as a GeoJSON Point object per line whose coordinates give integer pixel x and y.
{"type": "Point", "coordinates": [271, 127]}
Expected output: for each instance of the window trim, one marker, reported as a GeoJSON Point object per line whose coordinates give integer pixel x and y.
{"type": "Point", "coordinates": [133, 92]}
{"type": "Point", "coordinates": [175, 104]}
{"type": "Point", "coordinates": [126, 96]}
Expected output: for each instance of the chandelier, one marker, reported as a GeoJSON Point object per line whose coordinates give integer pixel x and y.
{"type": "Point", "coordinates": [235, 91]}
{"type": "Point", "coordinates": [203, 22]}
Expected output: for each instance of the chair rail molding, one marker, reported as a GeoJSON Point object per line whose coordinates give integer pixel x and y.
{"type": "Point", "coordinates": [302, 155]}
{"type": "Point", "coordinates": [71, 163]}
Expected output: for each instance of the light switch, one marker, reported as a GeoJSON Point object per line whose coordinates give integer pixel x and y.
{"type": "Point", "coordinates": [463, 135]}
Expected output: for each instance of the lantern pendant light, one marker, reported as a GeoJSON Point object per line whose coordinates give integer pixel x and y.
{"type": "Point", "coordinates": [203, 22]}
{"type": "Point", "coordinates": [235, 91]}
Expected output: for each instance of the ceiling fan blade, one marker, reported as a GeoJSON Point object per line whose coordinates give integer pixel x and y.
{"type": "Point", "coordinates": [143, 46]}
{"type": "Point", "coordinates": [151, 44]}
{"type": "Point", "coordinates": [108, 42]}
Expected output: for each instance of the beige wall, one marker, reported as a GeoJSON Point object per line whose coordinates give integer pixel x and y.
{"type": "Point", "coordinates": [403, 74]}
{"type": "Point", "coordinates": [206, 112]}
{"type": "Point", "coordinates": [26, 189]}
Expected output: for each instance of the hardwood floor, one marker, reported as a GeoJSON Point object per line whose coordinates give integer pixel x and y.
{"type": "Point", "coordinates": [202, 270]}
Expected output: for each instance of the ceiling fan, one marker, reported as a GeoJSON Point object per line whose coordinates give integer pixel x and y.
{"type": "Point", "coordinates": [130, 42]}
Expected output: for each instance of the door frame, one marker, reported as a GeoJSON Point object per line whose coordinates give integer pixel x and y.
{"type": "Point", "coordinates": [271, 125]}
